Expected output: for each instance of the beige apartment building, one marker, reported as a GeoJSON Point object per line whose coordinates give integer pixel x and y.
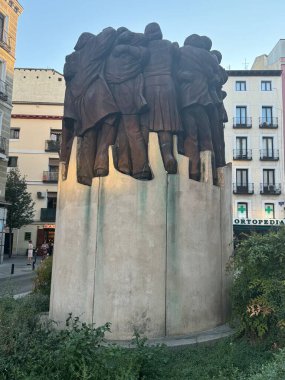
{"type": "Point", "coordinates": [9, 13]}
{"type": "Point", "coordinates": [254, 139]}
{"type": "Point", "coordinates": [34, 147]}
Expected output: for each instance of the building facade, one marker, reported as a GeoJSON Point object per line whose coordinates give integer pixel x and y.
{"type": "Point", "coordinates": [254, 139]}
{"type": "Point", "coordinates": [9, 13]}
{"type": "Point", "coordinates": [34, 147]}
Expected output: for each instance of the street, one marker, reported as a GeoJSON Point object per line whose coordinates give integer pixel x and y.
{"type": "Point", "coordinates": [17, 285]}
{"type": "Point", "coordinates": [21, 281]}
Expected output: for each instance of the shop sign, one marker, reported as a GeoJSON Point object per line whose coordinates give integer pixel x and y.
{"type": "Point", "coordinates": [47, 226]}
{"type": "Point", "coordinates": [259, 222]}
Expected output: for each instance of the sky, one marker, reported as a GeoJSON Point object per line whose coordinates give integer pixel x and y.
{"type": "Point", "coordinates": [240, 29]}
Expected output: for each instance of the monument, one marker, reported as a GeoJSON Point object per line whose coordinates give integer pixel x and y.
{"type": "Point", "coordinates": [144, 227]}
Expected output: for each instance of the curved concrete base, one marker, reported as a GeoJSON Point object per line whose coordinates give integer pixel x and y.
{"type": "Point", "coordinates": [143, 255]}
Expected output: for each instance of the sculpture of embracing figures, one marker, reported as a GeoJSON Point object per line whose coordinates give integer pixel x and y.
{"type": "Point", "coordinates": [121, 85]}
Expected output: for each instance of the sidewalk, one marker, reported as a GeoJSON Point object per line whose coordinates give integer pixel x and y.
{"type": "Point", "coordinates": [20, 266]}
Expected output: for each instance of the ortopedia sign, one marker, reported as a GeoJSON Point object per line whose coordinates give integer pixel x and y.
{"type": "Point", "coordinates": [259, 222]}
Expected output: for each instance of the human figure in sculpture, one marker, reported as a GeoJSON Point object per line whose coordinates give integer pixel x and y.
{"type": "Point", "coordinates": [123, 73]}
{"type": "Point", "coordinates": [92, 103]}
{"type": "Point", "coordinates": [195, 71]}
{"type": "Point", "coordinates": [71, 67]}
{"type": "Point", "coordinates": [160, 93]}
{"type": "Point", "coordinates": [221, 112]}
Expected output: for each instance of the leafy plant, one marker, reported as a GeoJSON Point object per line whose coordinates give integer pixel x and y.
{"type": "Point", "coordinates": [42, 281]}
{"type": "Point", "coordinates": [258, 292]}
{"type": "Point", "coordinates": [21, 209]}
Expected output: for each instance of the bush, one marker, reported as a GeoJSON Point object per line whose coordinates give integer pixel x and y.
{"type": "Point", "coordinates": [42, 282]}
{"type": "Point", "coordinates": [258, 292]}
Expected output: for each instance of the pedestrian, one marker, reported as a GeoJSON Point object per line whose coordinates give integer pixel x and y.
{"type": "Point", "coordinates": [30, 252]}
{"type": "Point", "coordinates": [44, 250]}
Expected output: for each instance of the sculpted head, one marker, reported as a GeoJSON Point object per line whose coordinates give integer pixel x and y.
{"type": "Point", "coordinates": [217, 54]}
{"type": "Point", "coordinates": [121, 30]}
{"type": "Point", "coordinates": [131, 38]}
{"type": "Point", "coordinates": [207, 42]}
{"type": "Point", "coordinates": [82, 40]}
{"type": "Point", "coordinates": [194, 40]}
{"type": "Point", "coordinates": [153, 32]}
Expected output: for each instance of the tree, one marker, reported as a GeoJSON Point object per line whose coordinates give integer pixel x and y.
{"type": "Point", "coordinates": [21, 210]}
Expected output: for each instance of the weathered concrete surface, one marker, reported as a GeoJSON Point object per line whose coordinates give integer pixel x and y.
{"type": "Point", "coordinates": [145, 255]}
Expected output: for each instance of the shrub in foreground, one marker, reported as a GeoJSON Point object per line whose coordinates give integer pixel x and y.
{"type": "Point", "coordinates": [42, 282]}
{"type": "Point", "coordinates": [31, 349]}
{"type": "Point", "coordinates": [258, 292]}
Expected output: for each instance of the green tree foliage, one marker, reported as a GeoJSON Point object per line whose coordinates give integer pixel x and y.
{"type": "Point", "coordinates": [258, 292]}
{"type": "Point", "coordinates": [21, 211]}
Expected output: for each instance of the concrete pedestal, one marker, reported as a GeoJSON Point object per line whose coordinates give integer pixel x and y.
{"type": "Point", "coordinates": [143, 255]}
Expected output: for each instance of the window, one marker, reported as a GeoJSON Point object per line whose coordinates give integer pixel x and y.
{"type": "Point", "coordinates": [242, 180]}
{"type": "Point", "coordinates": [12, 162]}
{"type": "Point", "coordinates": [266, 85]}
{"type": "Point", "coordinates": [241, 115]}
{"type": "Point", "coordinates": [51, 199]}
{"type": "Point", "coordinates": [240, 85]}
{"type": "Point", "coordinates": [53, 164]}
{"type": "Point", "coordinates": [1, 121]}
{"type": "Point", "coordinates": [241, 144]}
{"type": "Point", "coordinates": [267, 146]}
{"type": "Point", "coordinates": [2, 24]}
{"type": "Point", "coordinates": [2, 77]}
{"type": "Point", "coordinates": [267, 114]}
{"type": "Point", "coordinates": [28, 236]}
{"type": "Point", "coordinates": [55, 135]}
{"type": "Point", "coordinates": [14, 133]}
{"type": "Point", "coordinates": [4, 21]}
{"type": "Point", "coordinates": [268, 177]}
{"type": "Point", "coordinates": [242, 210]}
{"type": "Point", "coordinates": [269, 210]}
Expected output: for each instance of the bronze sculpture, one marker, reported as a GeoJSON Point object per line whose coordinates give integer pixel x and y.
{"type": "Point", "coordinates": [121, 85]}
{"type": "Point", "coordinates": [160, 93]}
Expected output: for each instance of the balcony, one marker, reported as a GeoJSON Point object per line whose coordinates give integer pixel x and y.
{"type": "Point", "coordinates": [268, 122]}
{"type": "Point", "coordinates": [48, 214]}
{"type": "Point", "coordinates": [242, 122]}
{"type": "Point", "coordinates": [4, 91]}
{"type": "Point", "coordinates": [247, 188]}
{"type": "Point", "coordinates": [270, 189]}
{"type": "Point", "coordinates": [242, 154]}
{"type": "Point", "coordinates": [3, 145]}
{"type": "Point", "coordinates": [52, 146]}
{"type": "Point", "coordinates": [51, 177]}
{"type": "Point", "coordinates": [6, 41]}
{"type": "Point", "coordinates": [269, 155]}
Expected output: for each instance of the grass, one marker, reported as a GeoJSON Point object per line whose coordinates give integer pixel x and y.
{"type": "Point", "coordinates": [31, 350]}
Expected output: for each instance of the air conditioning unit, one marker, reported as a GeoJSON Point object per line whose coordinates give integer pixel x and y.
{"type": "Point", "coordinates": [41, 194]}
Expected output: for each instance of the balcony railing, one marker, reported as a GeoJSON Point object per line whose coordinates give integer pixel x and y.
{"type": "Point", "coordinates": [6, 41]}
{"type": "Point", "coordinates": [52, 146]}
{"type": "Point", "coordinates": [51, 177]}
{"type": "Point", "coordinates": [268, 122]}
{"type": "Point", "coordinates": [242, 122]}
{"type": "Point", "coordinates": [242, 154]}
{"type": "Point", "coordinates": [3, 145]}
{"type": "Point", "coordinates": [269, 155]}
{"type": "Point", "coordinates": [48, 214]}
{"type": "Point", "coordinates": [247, 188]}
{"type": "Point", "coordinates": [272, 189]}
{"type": "Point", "coordinates": [4, 90]}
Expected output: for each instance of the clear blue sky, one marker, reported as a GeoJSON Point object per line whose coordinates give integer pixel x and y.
{"type": "Point", "coordinates": [48, 29]}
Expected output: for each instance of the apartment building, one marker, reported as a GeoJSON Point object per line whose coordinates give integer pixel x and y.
{"type": "Point", "coordinates": [9, 14]}
{"type": "Point", "coordinates": [254, 139]}
{"type": "Point", "coordinates": [34, 147]}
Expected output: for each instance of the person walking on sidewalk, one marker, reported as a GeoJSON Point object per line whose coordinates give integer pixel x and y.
{"type": "Point", "coordinates": [30, 252]}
